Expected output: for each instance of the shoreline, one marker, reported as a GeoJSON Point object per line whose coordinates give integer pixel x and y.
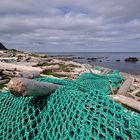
{"type": "Point", "coordinates": [17, 63]}
{"type": "Point", "coordinates": [109, 60]}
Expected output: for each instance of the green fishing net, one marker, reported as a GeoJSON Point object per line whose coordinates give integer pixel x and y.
{"type": "Point", "coordinates": [99, 68]}
{"type": "Point", "coordinates": [78, 110]}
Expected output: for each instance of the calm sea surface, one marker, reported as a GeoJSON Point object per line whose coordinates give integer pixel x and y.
{"type": "Point", "coordinates": [106, 59]}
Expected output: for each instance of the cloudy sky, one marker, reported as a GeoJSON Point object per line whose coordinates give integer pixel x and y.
{"type": "Point", "coordinates": [70, 25]}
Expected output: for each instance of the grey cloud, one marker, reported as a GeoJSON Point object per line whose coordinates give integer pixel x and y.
{"type": "Point", "coordinates": [71, 25]}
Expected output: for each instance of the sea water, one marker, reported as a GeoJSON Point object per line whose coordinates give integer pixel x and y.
{"type": "Point", "coordinates": [106, 59]}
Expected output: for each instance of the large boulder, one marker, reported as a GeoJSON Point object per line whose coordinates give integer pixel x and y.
{"type": "Point", "coordinates": [131, 59]}
{"type": "Point", "coordinates": [2, 47]}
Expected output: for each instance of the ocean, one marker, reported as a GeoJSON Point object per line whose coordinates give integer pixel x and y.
{"type": "Point", "coordinates": [105, 59]}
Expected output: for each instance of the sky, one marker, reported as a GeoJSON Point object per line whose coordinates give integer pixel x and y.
{"type": "Point", "coordinates": [70, 25]}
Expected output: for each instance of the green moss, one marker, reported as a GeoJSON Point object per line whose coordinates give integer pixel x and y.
{"type": "Point", "coordinates": [38, 55]}
{"type": "Point", "coordinates": [39, 65]}
{"type": "Point", "coordinates": [72, 65]}
{"type": "Point", "coordinates": [34, 55]}
{"type": "Point", "coordinates": [50, 64]}
{"type": "Point", "coordinates": [138, 94]}
{"type": "Point", "coordinates": [64, 68]}
{"type": "Point", "coordinates": [1, 86]}
{"type": "Point", "coordinates": [13, 50]}
{"type": "Point", "coordinates": [46, 64]}
{"type": "Point", "coordinates": [45, 56]}
{"type": "Point", "coordinates": [51, 72]}
{"type": "Point", "coordinates": [48, 72]}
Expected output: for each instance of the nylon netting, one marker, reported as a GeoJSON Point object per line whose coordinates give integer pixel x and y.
{"type": "Point", "coordinates": [79, 109]}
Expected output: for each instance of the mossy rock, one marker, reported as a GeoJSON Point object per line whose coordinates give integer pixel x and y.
{"type": "Point", "coordinates": [138, 94]}
{"type": "Point", "coordinates": [51, 72]}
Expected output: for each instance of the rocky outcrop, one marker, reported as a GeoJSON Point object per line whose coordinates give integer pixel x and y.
{"type": "Point", "coordinates": [131, 59]}
{"type": "Point", "coordinates": [2, 47]}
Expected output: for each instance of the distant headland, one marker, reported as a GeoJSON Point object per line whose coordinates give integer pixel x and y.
{"type": "Point", "coordinates": [2, 47]}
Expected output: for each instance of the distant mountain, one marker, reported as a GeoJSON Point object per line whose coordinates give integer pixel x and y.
{"type": "Point", "coordinates": [2, 47]}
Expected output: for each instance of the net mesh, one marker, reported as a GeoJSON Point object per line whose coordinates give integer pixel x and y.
{"type": "Point", "coordinates": [79, 109]}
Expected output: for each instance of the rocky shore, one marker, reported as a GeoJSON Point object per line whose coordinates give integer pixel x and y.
{"type": "Point", "coordinates": [15, 63]}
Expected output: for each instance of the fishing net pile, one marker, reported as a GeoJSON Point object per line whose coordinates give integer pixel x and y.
{"type": "Point", "coordinates": [78, 110]}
